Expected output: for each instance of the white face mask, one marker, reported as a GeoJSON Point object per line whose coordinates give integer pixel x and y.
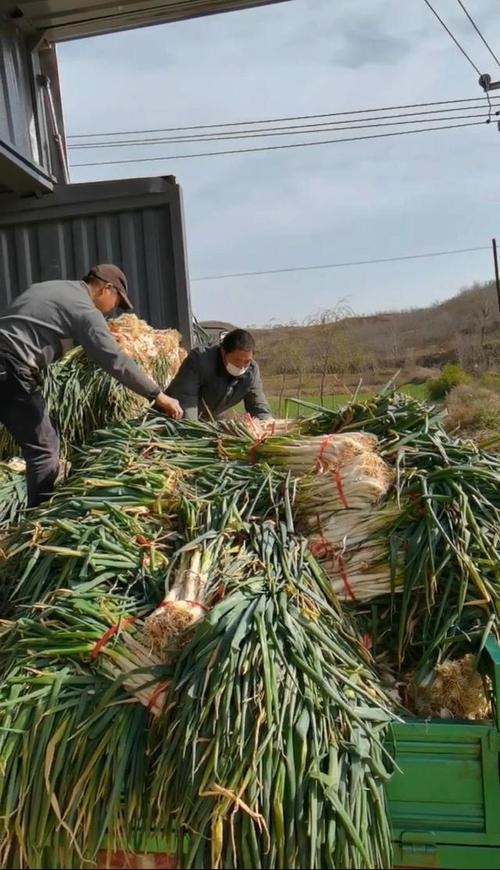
{"type": "Point", "coordinates": [234, 370]}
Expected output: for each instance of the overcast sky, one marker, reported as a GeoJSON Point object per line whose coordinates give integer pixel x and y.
{"type": "Point", "coordinates": [305, 206]}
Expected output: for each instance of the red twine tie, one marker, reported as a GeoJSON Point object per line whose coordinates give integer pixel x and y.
{"type": "Point", "coordinates": [142, 541]}
{"type": "Point", "coordinates": [324, 444]}
{"type": "Point", "coordinates": [340, 489]}
{"type": "Point", "coordinates": [157, 692]}
{"type": "Point", "coordinates": [320, 466]}
{"type": "Point", "coordinates": [252, 453]}
{"type": "Point", "coordinates": [110, 632]}
{"type": "Point", "coordinates": [345, 580]}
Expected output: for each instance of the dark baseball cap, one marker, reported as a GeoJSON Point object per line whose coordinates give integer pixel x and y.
{"type": "Point", "coordinates": [112, 274]}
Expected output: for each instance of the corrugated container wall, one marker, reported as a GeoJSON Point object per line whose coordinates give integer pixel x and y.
{"type": "Point", "coordinates": [136, 223]}
{"type": "Point", "coordinates": [28, 157]}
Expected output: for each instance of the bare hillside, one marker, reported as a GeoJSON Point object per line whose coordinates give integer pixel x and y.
{"type": "Point", "coordinates": [464, 329]}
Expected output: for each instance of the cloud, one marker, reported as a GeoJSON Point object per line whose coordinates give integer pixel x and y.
{"type": "Point", "coordinates": [311, 205]}
{"type": "Point", "coordinates": [365, 43]}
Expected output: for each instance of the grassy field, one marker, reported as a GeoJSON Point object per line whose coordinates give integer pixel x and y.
{"type": "Point", "coordinates": [473, 410]}
{"type": "Point", "coordinates": [291, 407]}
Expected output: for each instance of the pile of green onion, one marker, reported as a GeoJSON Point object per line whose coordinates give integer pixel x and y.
{"type": "Point", "coordinates": [253, 734]}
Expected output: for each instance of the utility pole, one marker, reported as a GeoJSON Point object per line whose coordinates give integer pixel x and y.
{"type": "Point", "coordinates": [495, 260]}
{"type": "Point", "coordinates": [488, 85]}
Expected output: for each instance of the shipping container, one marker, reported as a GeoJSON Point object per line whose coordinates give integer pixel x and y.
{"type": "Point", "coordinates": [136, 223]}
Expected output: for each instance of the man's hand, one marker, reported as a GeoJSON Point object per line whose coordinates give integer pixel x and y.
{"type": "Point", "coordinates": [168, 406]}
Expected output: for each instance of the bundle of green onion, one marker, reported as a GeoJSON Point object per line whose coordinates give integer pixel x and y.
{"type": "Point", "coordinates": [12, 494]}
{"type": "Point", "coordinates": [441, 534]}
{"type": "Point", "coordinates": [249, 728]}
{"type": "Point", "coordinates": [275, 723]}
{"type": "Point", "coordinates": [434, 538]}
{"type": "Point", "coordinates": [340, 480]}
{"type": "Point", "coordinates": [281, 762]}
{"type": "Point", "coordinates": [443, 547]}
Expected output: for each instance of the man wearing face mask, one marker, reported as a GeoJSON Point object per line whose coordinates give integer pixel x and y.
{"type": "Point", "coordinates": [213, 379]}
{"type": "Point", "coordinates": [37, 328]}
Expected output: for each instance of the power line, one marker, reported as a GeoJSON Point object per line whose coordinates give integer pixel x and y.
{"type": "Point", "coordinates": [463, 52]}
{"type": "Point", "coordinates": [476, 28]}
{"type": "Point", "coordinates": [273, 120]}
{"type": "Point", "coordinates": [307, 129]}
{"type": "Point", "coordinates": [342, 265]}
{"type": "Point", "coordinates": [279, 147]}
{"type": "Point", "coordinates": [363, 125]}
{"type": "Point", "coordinates": [448, 31]}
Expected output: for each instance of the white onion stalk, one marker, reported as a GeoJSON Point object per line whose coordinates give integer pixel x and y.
{"type": "Point", "coordinates": [302, 454]}
{"type": "Point", "coordinates": [364, 478]}
{"type": "Point", "coordinates": [350, 546]}
{"type": "Point", "coordinates": [182, 605]}
{"type": "Point", "coordinates": [348, 527]}
{"type": "Point", "coordinates": [358, 574]}
{"type": "Point", "coordinates": [131, 662]}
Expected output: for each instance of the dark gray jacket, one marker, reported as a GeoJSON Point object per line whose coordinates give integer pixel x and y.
{"type": "Point", "coordinates": [203, 387]}
{"type": "Point", "coordinates": [50, 318]}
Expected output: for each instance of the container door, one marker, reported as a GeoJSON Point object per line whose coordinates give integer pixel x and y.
{"type": "Point", "coordinates": [136, 223]}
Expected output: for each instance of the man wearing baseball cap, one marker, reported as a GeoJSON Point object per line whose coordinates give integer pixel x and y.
{"type": "Point", "coordinates": [36, 329]}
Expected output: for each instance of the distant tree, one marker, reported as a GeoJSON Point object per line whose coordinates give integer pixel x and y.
{"type": "Point", "coordinates": [464, 329]}
{"type": "Point", "coordinates": [491, 349]}
{"type": "Point", "coordinates": [279, 364]}
{"type": "Point", "coordinates": [468, 350]}
{"type": "Point", "coordinates": [410, 358]}
{"type": "Point", "coordinates": [483, 317]}
{"type": "Point", "coordinates": [394, 342]}
{"type": "Point", "coordinates": [331, 343]}
{"type": "Point", "coordinates": [330, 315]}
{"type": "Point", "coordinates": [298, 359]}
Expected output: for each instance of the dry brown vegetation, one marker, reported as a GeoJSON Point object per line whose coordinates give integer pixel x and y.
{"type": "Point", "coordinates": [473, 410]}
{"type": "Point", "coordinates": [327, 358]}
{"type": "Point", "coordinates": [464, 329]}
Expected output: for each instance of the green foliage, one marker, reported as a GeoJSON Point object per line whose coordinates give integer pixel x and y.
{"type": "Point", "coordinates": [451, 376]}
{"type": "Point", "coordinates": [416, 391]}
{"type": "Point", "coordinates": [286, 406]}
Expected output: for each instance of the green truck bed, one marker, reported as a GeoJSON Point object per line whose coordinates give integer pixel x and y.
{"type": "Point", "coordinates": [445, 799]}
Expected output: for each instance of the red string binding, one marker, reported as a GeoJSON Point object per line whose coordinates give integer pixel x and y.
{"type": "Point", "coordinates": [157, 692]}
{"type": "Point", "coordinates": [109, 633]}
{"type": "Point", "coordinates": [340, 489]}
{"type": "Point", "coordinates": [252, 453]}
{"type": "Point", "coordinates": [324, 444]}
{"type": "Point", "coordinates": [345, 580]}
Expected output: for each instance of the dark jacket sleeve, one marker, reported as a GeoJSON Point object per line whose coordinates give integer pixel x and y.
{"type": "Point", "coordinates": [186, 386]}
{"type": "Point", "coordinates": [90, 330]}
{"type": "Point", "coordinates": [255, 401]}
